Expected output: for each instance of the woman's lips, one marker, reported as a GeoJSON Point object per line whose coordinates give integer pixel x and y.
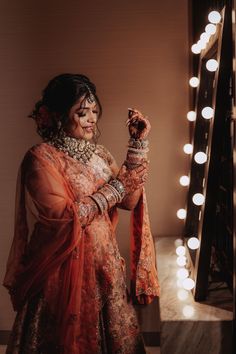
{"type": "Point", "coordinates": [89, 129]}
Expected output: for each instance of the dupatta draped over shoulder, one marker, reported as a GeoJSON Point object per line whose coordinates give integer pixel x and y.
{"type": "Point", "coordinates": [53, 254]}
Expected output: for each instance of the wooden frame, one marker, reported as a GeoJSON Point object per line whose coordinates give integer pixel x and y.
{"type": "Point", "coordinates": [203, 178]}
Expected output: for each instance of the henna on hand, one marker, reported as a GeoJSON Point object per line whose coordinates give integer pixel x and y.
{"type": "Point", "coordinates": [139, 125]}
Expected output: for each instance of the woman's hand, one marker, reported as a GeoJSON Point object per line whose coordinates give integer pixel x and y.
{"type": "Point", "coordinates": [133, 179]}
{"type": "Point", "coordinates": [139, 125]}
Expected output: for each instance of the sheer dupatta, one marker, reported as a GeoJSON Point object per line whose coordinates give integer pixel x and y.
{"type": "Point", "coordinates": [52, 262]}
{"type": "Point", "coordinates": [144, 279]}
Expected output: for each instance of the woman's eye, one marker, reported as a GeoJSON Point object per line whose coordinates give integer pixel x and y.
{"type": "Point", "coordinates": [95, 112]}
{"type": "Point", "coordinates": [81, 114]}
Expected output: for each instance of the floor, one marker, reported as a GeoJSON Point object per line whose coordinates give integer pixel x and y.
{"type": "Point", "coordinates": [150, 350]}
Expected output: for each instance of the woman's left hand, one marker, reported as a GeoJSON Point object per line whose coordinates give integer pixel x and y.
{"type": "Point", "coordinates": [139, 125]}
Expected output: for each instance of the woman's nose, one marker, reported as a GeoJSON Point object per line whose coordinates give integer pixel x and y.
{"type": "Point", "coordinates": [92, 117]}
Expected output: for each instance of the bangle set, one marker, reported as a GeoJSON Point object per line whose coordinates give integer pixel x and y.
{"type": "Point", "coordinates": [136, 154]}
{"type": "Point", "coordinates": [109, 195]}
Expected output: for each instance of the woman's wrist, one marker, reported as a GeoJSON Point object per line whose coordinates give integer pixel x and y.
{"type": "Point", "coordinates": [109, 195]}
{"type": "Point", "coordinates": [136, 153]}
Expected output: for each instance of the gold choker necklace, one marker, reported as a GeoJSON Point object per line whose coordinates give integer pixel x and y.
{"type": "Point", "coordinates": [79, 149]}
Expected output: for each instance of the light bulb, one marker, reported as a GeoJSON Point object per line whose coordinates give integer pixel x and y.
{"type": "Point", "coordinates": [188, 284]}
{"type": "Point", "coordinates": [179, 283]}
{"type": "Point", "coordinates": [178, 242]}
{"type": "Point", "coordinates": [191, 116]}
{"type": "Point", "coordinates": [207, 112]}
{"type": "Point", "coordinates": [188, 311]}
{"type": "Point", "coordinates": [181, 261]}
{"type": "Point", "coordinates": [201, 44]}
{"type": "Point", "coordinates": [200, 157]}
{"type": "Point", "coordinates": [180, 250]}
{"type": "Point", "coordinates": [181, 214]}
{"type": "Point", "coordinates": [196, 49]}
{"type": "Point", "coordinates": [184, 181]}
{"type": "Point", "coordinates": [212, 65]}
{"type": "Point", "coordinates": [204, 37]}
{"type": "Point", "coordinates": [194, 81]}
{"type": "Point", "coordinates": [193, 243]}
{"type": "Point", "coordinates": [214, 17]}
{"type": "Point", "coordinates": [182, 294]}
{"type": "Point", "coordinates": [182, 273]}
{"type": "Point", "coordinates": [188, 149]}
{"type": "Point", "coordinates": [210, 28]}
{"type": "Point", "coordinates": [198, 199]}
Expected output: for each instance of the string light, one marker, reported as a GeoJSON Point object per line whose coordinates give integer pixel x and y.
{"type": "Point", "coordinates": [180, 251]}
{"type": "Point", "coordinates": [214, 17]}
{"type": "Point", "coordinates": [188, 149]}
{"type": "Point", "coordinates": [182, 294]}
{"type": "Point", "coordinates": [184, 181]}
{"type": "Point", "coordinates": [181, 261]}
{"type": "Point", "coordinates": [207, 112]}
{"type": "Point", "coordinates": [212, 65]}
{"type": "Point", "coordinates": [188, 284]}
{"type": "Point", "coordinates": [179, 283]}
{"type": "Point", "coordinates": [194, 81]}
{"type": "Point", "coordinates": [205, 37]}
{"type": "Point", "coordinates": [178, 242]}
{"type": "Point", "coordinates": [188, 311]}
{"type": "Point", "coordinates": [191, 116]}
{"type": "Point", "coordinates": [200, 157]}
{"type": "Point", "coordinates": [193, 243]}
{"type": "Point", "coordinates": [202, 44]}
{"type": "Point", "coordinates": [198, 199]}
{"type": "Point", "coordinates": [181, 214]}
{"type": "Point", "coordinates": [210, 28]}
{"type": "Point", "coordinates": [196, 49]}
{"type": "Point", "coordinates": [182, 273]}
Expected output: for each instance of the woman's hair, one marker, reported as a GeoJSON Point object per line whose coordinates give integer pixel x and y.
{"type": "Point", "coordinates": [62, 92]}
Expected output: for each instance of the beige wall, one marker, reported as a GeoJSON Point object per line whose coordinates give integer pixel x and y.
{"type": "Point", "coordinates": [136, 52]}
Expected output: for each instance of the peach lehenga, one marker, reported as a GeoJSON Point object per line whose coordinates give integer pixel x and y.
{"type": "Point", "coordinates": [65, 274]}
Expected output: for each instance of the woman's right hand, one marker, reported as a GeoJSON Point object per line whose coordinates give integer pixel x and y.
{"type": "Point", "coordinates": [133, 179]}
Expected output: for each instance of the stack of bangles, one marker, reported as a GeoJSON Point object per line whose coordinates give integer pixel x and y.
{"type": "Point", "coordinates": [109, 195]}
{"type": "Point", "coordinates": [137, 152]}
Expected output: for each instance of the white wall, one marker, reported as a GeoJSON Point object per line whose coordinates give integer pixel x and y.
{"type": "Point", "coordinates": [136, 52]}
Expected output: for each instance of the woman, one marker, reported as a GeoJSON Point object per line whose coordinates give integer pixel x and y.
{"type": "Point", "coordinates": [65, 274]}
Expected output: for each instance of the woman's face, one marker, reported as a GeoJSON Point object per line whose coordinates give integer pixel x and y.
{"type": "Point", "coordinates": [83, 117]}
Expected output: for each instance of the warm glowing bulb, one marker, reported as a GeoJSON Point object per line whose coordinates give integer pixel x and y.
{"type": "Point", "coordinates": [194, 81]}
{"type": "Point", "coordinates": [181, 261]}
{"type": "Point", "coordinates": [198, 199]}
{"type": "Point", "coordinates": [214, 17]}
{"type": "Point", "coordinates": [188, 149]}
{"type": "Point", "coordinates": [188, 311]}
{"type": "Point", "coordinates": [200, 157]}
{"type": "Point", "coordinates": [184, 181]}
{"type": "Point", "coordinates": [196, 49]}
{"type": "Point", "coordinates": [212, 65]}
{"type": "Point", "coordinates": [193, 243]}
{"type": "Point", "coordinates": [182, 294]}
{"type": "Point", "coordinates": [179, 283]}
{"type": "Point", "coordinates": [204, 37]}
{"type": "Point", "coordinates": [201, 44]}
{"type": "Point", "coordinates": [188, 284]}
{"type": "Point", "coordinates": [178, 242]}
{"type": "Point", "coordinates": [182, 273]}
{"type": "Point", "coordinates": [207, 112]}
{"type": "Point", "coordinates": [181, 214]}
{"type": "Point", "coordinates": [191, 116]}
{"type": "Point", "coordinates": [180, 251]}
{"type": "Point", "coordinates": [210, 28]}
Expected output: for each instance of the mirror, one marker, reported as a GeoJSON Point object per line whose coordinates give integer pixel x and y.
{"type": "Point", "coordinates": [209, 202]}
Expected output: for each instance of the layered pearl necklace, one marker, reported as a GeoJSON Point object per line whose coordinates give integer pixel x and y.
{"type": "Point", "coordinates": [78, 149]}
